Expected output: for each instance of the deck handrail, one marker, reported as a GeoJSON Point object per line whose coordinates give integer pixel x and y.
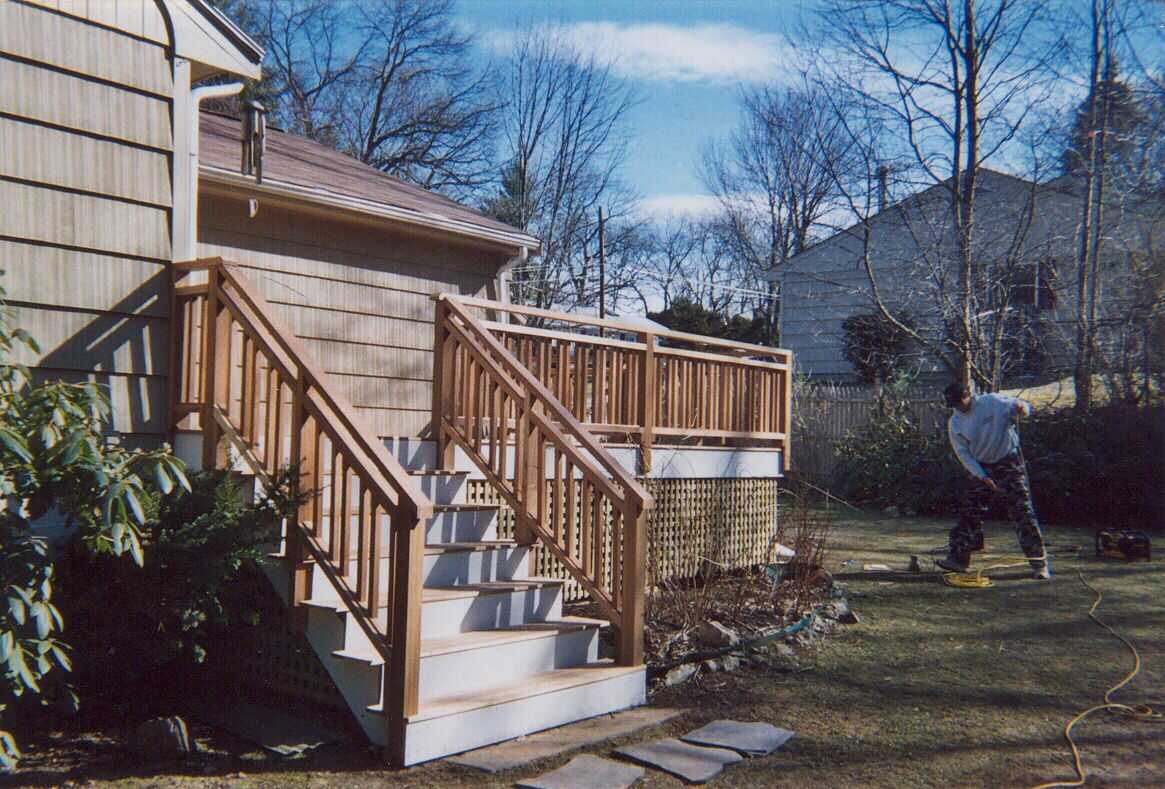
{"type": "Point", "coordinates": [249, 381]}
{"type": "Point", "coordinates": [638, 388]}
{"type": "Point", "coordinates": [565, 488]}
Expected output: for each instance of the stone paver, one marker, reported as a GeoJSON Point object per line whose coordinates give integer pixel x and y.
{"type": "Point", "coordinates": [515, 753]}
{"type": "Point", "coordinates": [751, 739]}
{"type": "Point", "coordinates": [586, 772]}
{"type": "Point", "coordinates": [689, 762]}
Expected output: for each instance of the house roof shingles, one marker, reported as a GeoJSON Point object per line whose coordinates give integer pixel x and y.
{"type": "Point", "coordinates": [300, 162]}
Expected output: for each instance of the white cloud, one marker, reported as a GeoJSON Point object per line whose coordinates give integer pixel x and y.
{"type": "Point", "coordinates": [718, 53]}
{"type": "Point", "coordinates": [674, 206]}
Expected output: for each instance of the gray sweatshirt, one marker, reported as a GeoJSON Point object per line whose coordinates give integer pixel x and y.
{"type": "Point", "coordinates": [986, 433]}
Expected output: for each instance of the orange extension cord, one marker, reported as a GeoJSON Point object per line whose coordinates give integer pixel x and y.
{"type": "Point", "coordinates": [1139, 713]}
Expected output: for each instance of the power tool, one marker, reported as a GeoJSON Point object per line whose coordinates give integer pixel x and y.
{"type": "Point", "coordinates": [1124, 544]}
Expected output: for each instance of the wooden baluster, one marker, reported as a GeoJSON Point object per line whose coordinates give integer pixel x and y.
{"type": "Point", "coordinates": [580, 382]}
{"type": "Point", "coordinates": [630, 647]}
{"type": "Point", "coordinates": [568, 521]}
{"type": "Point", "coordinates": [564, 387]}
{"type": "Point", "coordinates": [363, 535]}
{"type": "Point", "coordinates": [614, 402]}
{"type": "Point", "coordinates": [617, 568]}
{"type": "Point", "coordinates": [366, 517]}
{"type": "Point", "coordinates": [586, 535]}
{"type": "Point", "coordinates": [503, 434]}
{"type": "Point", "coordinates": [540, 478]}
{"type": "Point", "coordinates": [526, 471]}
{"type": "Point", "coordinates": [648, 397]}
{"type": "Point", "coordinates": [443, 358]}
{"type": "Point", "coordinates": [479, 409]}
{"type": "Point", "coordinates": [557, 513]}
{"type": "Point", "coordinates": [598, 522]}
{"type": "Point", "coordinates": [491, 458]}
{"type": "Point", "coordinates": [374, 529]}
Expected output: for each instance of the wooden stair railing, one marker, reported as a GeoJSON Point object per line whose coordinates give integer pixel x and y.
{"type": "Point", "coordinates": [247, 379]}
{"type": "Point", "coordinates": [565, 489]}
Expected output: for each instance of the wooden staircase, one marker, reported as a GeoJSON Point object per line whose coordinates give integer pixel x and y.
{"type": "Point", "coordinates": [432, 627]}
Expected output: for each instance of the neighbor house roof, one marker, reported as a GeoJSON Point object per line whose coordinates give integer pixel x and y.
{"type": "Point", "coordinates": [297, 168]}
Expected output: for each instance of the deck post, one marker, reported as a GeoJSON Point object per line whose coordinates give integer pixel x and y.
{"type": "Point", "coordinates": [648, 389]}
{"type": "Point", "coordinates": [216, 370]}
{"type": "Point", "coordinates": [634, 559]}
{"type": "Point", "coordinates": [402, 673]}
{"type": "Point", "coordinates": [301, 570]}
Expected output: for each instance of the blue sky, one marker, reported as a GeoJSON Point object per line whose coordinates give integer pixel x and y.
{"type": "Point", "coordinates": [685, 61]}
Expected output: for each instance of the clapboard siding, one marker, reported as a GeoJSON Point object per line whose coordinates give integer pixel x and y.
{"type": "Point", "coordinates": [73, 102]}
{"type": "Point", "coordinates": [85, 151]}
{"type": "Point", "coordinates": [359, 297]}
{"type": "Point", "coordinates": [140, 18]}
{"type": "Point", "coordinates": [74, 45]}
{"type": "Point", "coordinates": [84, 280]}
{"type": "Point", "coordinates": [38, 213]}
{"type": "Point", "coordinates": [83, 340]}
{"type": "Point", "coordinates": [60, 158]}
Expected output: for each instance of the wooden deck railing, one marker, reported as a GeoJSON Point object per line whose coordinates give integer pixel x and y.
{"type": "Point", "coordinates": [646, 388]}
{"type": "Point", "coordinates": [247, 381]}
{"type": "Point", "coordinates": [565, 489]}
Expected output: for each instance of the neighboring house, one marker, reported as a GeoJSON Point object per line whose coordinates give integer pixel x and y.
{"type": "Point", "coordinates": [1026, 242]}
{"type": "Point", "coordinates": [259, 300]}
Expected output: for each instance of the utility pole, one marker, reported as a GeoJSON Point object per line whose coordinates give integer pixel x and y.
{"type": "Point", "coordinates": [602, 268]}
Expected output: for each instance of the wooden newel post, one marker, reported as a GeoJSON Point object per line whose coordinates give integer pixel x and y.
{"type": "Point", "coordinates": [303, 455]}
{"type": "Point", "coordinates": [216, 369]}
{"type": "Point", "coordinates": [650, 391]}
{"type": "Point", "coordinates": [527, 471]}
{"type": "Point", "coordinates": [402, 673]}
{"type": "Point", "coordinates": [442, 386]}
{"type": "Point", "coordinates": [634, 563]}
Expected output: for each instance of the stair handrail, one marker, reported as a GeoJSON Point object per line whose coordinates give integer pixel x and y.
{"type": "Point", "coordinates": [317, 410]}
{"type": "Point", "coordinates": [580, 447]}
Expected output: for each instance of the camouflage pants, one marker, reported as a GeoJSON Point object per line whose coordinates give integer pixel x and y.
{"type": "Point", "coordinates": [1010, 474]}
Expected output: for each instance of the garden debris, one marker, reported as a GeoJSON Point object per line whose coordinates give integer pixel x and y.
{"type": "Point", "coordinates": [839, 611]}
{"type": "Point", "coordinates": [751, 739]}
{"type": "Point", "coordinates": [679, 674]}
{"type": "Point", "coordinates": [270, 728]}
{"type": "Point", "coordinates": [161, 738]}
{"type": "Point", "coordinates": [544, 744]}
{"type": "Point", "coordinates": [714, 634]}
{"type": "Point", "coordinates": [692, 763]}
{"type": "Point", "coordinates": [876, 568]}
{"type": "Point", "coordinates": [586, 772]}
{"type": "Point", "coordinates": [726, 663]}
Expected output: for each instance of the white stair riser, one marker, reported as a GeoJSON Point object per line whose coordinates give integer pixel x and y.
{"type": "Point", "coordinates": [489, 611]}
{"type": "Point", "coordinates": [454, 568]}
{"type": "Point", "coordinates": [480, 669]}
{"type": "Point", "coordinates": [437, 737]}
{"type": "Point", "coordinates": [357, 681]}
{"type": "Point", "coordinates": [462, 526]}
{"type": "Point", "coordinates": [322, 588]}
{"type": "Point", "coordinates": [443, 488]}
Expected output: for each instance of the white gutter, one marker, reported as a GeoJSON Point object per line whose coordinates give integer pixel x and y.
{"type": "Point", "coordinates": [189, 246]}
{"type": "Point", "coordinates": [276, 188]}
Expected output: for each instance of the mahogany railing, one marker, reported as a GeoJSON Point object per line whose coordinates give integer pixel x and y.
{"type": "Point", "coordinates": [246, 381]}
{"type": "Point", "coordinates": [619, 380]}
{"type": "Point", "coordinates": [565, 489]}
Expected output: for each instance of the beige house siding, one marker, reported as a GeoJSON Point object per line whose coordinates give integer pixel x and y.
{"type": "Point", "coordinates": [357, 294]}
{"type": "Point", "coordinates": [85, 149]}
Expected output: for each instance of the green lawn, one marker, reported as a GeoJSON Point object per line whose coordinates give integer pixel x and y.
{"type": "Point", "coordinates": [935, 687]}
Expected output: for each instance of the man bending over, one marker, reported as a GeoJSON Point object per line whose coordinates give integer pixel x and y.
{"type": "Point", "coordinates": [985, 439]}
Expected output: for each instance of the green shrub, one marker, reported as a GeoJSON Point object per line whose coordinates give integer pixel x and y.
{"type": "Point", "coordinates": [156, 620]}
{"type": "Point", "coordinates": [1096, 468]}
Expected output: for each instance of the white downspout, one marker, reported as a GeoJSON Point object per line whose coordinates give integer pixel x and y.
{"type": "Point", "coordinates": [187, 241]}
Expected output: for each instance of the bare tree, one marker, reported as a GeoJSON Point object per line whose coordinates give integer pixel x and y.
{"type": "Point", "coordinates": [391, 83]}
{"type": "Point", "coordinates": [563, 145]}
{"type": "Point", "coordinates": [947, 86]}
{"type": "Point", "coordinates": [685, 259]}
{"type": "Point", "coordinates": [773, 179]}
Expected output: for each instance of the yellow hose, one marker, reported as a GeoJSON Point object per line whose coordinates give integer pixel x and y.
{"type": "Point", "coordinates": [977, 580]}
{"type": "Point", "coordinates": [1141, 713]}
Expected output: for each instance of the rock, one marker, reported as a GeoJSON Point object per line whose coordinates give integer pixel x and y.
{"type": "Point", "coordinates": [161, 738]}
{"type": "Point", "coordinates": [715, 634]}
{"type": "Point", "coordinates": [849, 618]}
{"type": "Point", "coordinates": [892, 511]}
{"type": "Point", "coordinates": [730, 663]}
{"type": "Point", "coordinates": [837, 610]}
{"type": "Point", "coordinates": [824, 626]}
{"type": "Point", "coordinates": [785, 651]}
{"type": "Point", "coordinates": [679, 674]}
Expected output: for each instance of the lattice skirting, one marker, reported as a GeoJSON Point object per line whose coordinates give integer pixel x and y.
{"type": "Point", "coordinates": [271, 662]}
{"type": "Point", "coordinates": [729, 522]}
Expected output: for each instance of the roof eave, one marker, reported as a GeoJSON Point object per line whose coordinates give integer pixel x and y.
{"type": "Point", "coordinates": [405, 216]}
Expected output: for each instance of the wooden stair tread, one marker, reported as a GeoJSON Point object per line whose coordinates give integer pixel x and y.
{"type": "Point", "coordinates": [464, 507]}
{"type": "Point", "coordinates": [523, 688]}
{"type": "Point", "coordinates": [435, 472]}
{"type": "Point", "coordinates": [468, 547]}
{"type": "Point", "coordinates": [437, 593]}
{"type": "Point", "coordinates": [485, 639]}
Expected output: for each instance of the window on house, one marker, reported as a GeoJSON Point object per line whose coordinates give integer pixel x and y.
{"type": "Point", "coordinates": [1034, 285]}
